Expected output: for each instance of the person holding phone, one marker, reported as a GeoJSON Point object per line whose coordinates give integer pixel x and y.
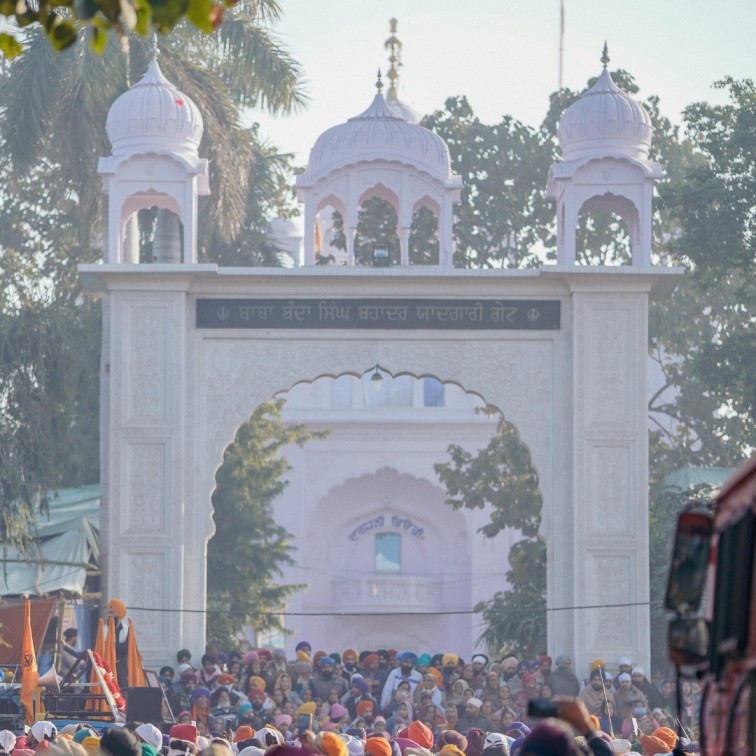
{"type": "Point", "coordinates": [553, 738]}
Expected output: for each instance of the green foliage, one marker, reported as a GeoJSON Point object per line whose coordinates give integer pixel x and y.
{"type": "Point", "coordinates": [502, 477]}
{"type": "Point", "coordinates": [377, 224]}
{"type": "Point", "coordinates": [703, 337]}
{"type": "Point", "coordinates": [516, 619]}
{"type": "Point", "coordinates": [46, 366]}
{"type": "Point", "coordinates": [65, 21]}
{"type": "Point", "coordinates": [245, 555]}
{"type": "Point", "coordinates": [503, 220]}
{"type": "Point", "coordinates": [52, 124]}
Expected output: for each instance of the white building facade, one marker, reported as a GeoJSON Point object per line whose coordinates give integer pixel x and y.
{"type": "Point", "coordinates": [190, 350]}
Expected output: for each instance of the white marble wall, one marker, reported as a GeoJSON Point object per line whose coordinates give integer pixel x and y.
{"type": "Point", "coordinates": [174, 397]}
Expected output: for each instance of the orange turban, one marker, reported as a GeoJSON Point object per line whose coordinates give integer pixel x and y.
{"type": "Point", "coordinates": [653, 745]}
{"type": "Point", "coordinates": [243, 732]}
{"type": "Point", "coordinates": [363, 707]}
{"type": "Point", "coordinates": [421, 734]}
{"type": "Point", "coordinates": [667, 736]}
{"type": "Point", "coordinates": [332, 745]}
{"type": "Point", "coordinates": [377, 747]}
{"type": "Point", "coordinates": [117, 607]}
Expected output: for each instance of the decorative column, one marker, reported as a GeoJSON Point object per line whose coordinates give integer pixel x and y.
{"type": "Point", "coordinates": [152, 539]}
{"type": "Point", "coordinates": [609, 432]}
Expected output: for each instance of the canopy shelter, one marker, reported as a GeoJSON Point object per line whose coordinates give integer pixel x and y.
{"type": "Point", "coordinates": [66, 544]}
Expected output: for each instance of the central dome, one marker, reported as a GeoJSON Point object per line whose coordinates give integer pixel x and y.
{"type": "Point", "coordinates": [379, 134]}
{"type": "Point", "coordinates": [605, 119]}
{"type": "Point", "coordinates": [154, 115]}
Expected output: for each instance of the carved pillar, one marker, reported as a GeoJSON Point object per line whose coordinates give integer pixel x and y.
{"type": "Point", "coordinates": [350, 232]}
{"type": "Point", "coordinates": [567, 217]}
{"type": "Point", "coordinates": [610, 471]}
{"type": "Point", "coordinates": [404, 233]}
{"type": "Point", "coordinates": [446, 233]}
{"type": "Point", "coordinates": [152, 539]}
{"type": "Point", "coordinates": [309, 230]}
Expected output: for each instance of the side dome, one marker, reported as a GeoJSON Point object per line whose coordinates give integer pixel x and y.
{"type": "Point", "coordinates": [605, 120]}
{"type": "Point", "coordinates": [379, 134]}
{"type": "Point", "coordinates": [154, 115]}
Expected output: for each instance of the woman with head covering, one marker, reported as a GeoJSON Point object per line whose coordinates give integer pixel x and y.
{"type": "Point", "coordinates": [401, 718]}
{"type": "Point", "coordinates": [457, 695]}
{"type": "Point", "coordinates": [490, 689]}
{"type": "Point", "coordinates": [402, 694]}
{"type": "Point", "coordinates": [284, 684]}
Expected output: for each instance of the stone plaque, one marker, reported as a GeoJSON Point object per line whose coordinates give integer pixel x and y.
{"type": "Point", "coordinates": [385, 314]}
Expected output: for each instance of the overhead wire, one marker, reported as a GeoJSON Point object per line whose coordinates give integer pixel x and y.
{"type": "Point", "coordinates": [434, 613]}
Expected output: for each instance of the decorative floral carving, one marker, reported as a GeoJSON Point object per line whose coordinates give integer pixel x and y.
{"type": "Point", "coordinates": [144, 509]}
{"type": "Point", "coordinates": [148, 351]}
{"type": "Point", "coordinates": [608, 380]}
{"type": "Point", "coordinates": [609, 500]}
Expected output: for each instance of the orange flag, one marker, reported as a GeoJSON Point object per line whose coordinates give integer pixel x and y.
{"type": "Point", "coordinates": [29, 671]}
{"type": "Point", "coordinates": [318, 237]}
{"type": "Point", "coordinates": [92, 704]}
{"type": "Point", "coordinates": [136, 671]}
{"type": "Point", "coordinates": [100, 638]}
{"type": "Point", "coordinates": [109, 653]}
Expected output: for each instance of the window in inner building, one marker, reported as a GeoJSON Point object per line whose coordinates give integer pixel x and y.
{"type": "Point", "coordinates": [433, 392]}
{"type": "Point", "coordinates": [389, 392]}
{"type": "Point", "coordinates": [341, 391]}
{"type": "Point", "coordinates": [388, 553]}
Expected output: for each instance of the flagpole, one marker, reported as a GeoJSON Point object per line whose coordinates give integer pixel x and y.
{"type": "Point", "coordinates": [29, 671]}
{"type": "Point", "coordinates": [561, 43]}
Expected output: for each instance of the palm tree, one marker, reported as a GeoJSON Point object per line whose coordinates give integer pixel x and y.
{"type": "Point", "coordinates": [53, 108]}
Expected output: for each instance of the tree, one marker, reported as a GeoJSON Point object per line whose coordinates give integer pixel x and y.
{"type": "Point", "coordinates": [704, 336]}
{"type": "Point", "coordinates": [503, 220]}
{"type": "Point", "coordinates": [502, 477]}
{"type": "Point", "coordinates": [249, 547]}
{"type": "Point", "coordinates": [55, 108]}
{"type": "Point", "coordinates": [45, 357]}
{"type": "Point", "coordinates": [65, 22]}
{"type": "Point", "coordinates": [52, 125]}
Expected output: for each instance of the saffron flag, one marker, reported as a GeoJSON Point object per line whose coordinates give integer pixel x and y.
{"type": "Point", "coordinates": [99, 649]}
{"type": "Point", "coordinates": [318, 238]}
{"type": "Point", "coordinates": [30, 675]}
{"type": "Point", "coordinates": [109, 653]}
{"type": "Point", "coordinates": [135, 669]}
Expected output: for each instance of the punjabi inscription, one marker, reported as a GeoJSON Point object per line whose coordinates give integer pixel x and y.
{"type": "Point", "coordinates": [393, 314]}
{"type": "Point", "coordinates": [380, 522]}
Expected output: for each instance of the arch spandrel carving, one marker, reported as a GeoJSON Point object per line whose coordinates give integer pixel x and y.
{"type": "Point", "coordinates": [516, 378]}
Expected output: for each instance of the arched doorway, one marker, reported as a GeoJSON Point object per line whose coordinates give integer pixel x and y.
{"type": "Point", "coordinates": [572, 382]}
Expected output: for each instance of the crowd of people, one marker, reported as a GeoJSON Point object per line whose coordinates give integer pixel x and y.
{"type": "Point", "coordinates": [390, 690]}
{"type": "Point", "coordinates": [385, 703]}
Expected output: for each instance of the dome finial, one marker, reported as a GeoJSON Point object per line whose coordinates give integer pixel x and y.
{"type": "Point", "coordinates": [154, 51]}
{"type": "Point", "coordinates": [394, 46]}
{"type": "Point", "coordinates": [605, 56]}
{"type": "Point", "coordinates": [379, 82]}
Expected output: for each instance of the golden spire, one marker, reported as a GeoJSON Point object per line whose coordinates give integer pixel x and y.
{"type": "Point", "coordinates": [394, 46]}
{"type": "Point", "coordinates": [605, 56]}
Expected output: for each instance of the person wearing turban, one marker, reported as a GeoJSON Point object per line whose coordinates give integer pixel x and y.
{"type": "Point", "coordinates": [117, 610]}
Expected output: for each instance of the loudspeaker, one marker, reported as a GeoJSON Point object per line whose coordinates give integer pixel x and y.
{"type": "Point", "coordinates": [144, 705]}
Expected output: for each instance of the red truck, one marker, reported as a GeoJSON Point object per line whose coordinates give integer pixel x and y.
{"type": "Point", "coordinates": [713, 591]}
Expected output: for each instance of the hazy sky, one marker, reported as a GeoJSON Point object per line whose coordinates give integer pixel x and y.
{"type": "Point", "coordinates": [503, 54]}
